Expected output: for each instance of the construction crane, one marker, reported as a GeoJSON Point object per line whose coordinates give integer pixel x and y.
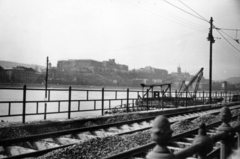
{"type": "Point", "coordinates": [185, 88]}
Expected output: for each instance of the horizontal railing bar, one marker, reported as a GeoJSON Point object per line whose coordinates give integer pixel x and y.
{"type": "Point", "coordinates": [56, 89]}
{"type": "Point", "coordinates": [84, 100]}
{"type": "Point", "coordinates": [73, 111]}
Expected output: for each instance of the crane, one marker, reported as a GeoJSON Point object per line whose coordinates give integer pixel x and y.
{"type": "Point", "coordinates": [185, 88]}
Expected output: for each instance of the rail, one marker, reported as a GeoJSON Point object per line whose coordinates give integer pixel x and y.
{"type": "Point", "coordinates": [100, 101]}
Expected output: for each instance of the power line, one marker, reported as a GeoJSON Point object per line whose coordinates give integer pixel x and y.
{"type": "Point", "coordinates": [227, 29]}
{"type": "Point", "coordinates": [172, 15]}
{"type": "Point", "coordinates": [185, 11]}
{"type": "Point", "coordinates": [194, 11]}
{"type": "Point", "coordinates": [229, 51]}
{"type": "Point", "coordinates": [228, 41]}
{"type": "Point", "coordinates": [157, 41]}
{"type": "Point", "coordinates": [180, 23]}
{"type": "Point", "coordinates": [237, 40]}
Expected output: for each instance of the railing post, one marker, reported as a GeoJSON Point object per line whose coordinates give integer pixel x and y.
{"type": "Point", "coordinates": [147, 102]}
{"type": "Point", "coordinates": [237, 123]}
{"type": "Point", "coordinates": [176, 99]}
{"type": "Point", "coordinates": [225, 116]}
{"type": "Point", "coordinates": [186, 99]}
{"type": "Point", "coordinates": [24, 104]}
{"type": "Point", "coordinates": [203, 98]}
{"type": "Point", "coordinates": [229, 99]}
{"type": "Point", "coordinates": [69, 102]}
{"type": "Point", "coordinates": [133, 105]}
{"type": "Point", "coordinates": [49, 95]}
{"type": "Point", "coordinates": [162, 101]}
{"type": "Point", "coordinates": [87, 94]}
{"type": "Point", "coordinates": [225, 94]}
{"type": "Point", "coordinates": [202, 137]}
{"type": "Point", "coordinates": [102, 101]}
{"type": "Point", "coordinates": [127, 100]}
{"type": "Point", "coordinates": [161, 135]}
{"type": "Point", "coordinates": [202, 145]}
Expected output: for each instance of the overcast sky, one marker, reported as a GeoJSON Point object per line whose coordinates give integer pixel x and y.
{"type": "Point", "coordinates": [136, 33]}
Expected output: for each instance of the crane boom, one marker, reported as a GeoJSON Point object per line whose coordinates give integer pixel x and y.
{"type": "Point", "coordinates": [196, 78]}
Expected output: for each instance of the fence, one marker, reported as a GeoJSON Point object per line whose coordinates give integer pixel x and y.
{"type": "Point", "coordinates": [101, 101]}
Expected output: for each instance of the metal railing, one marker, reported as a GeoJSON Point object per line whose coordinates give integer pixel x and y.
{"type": "Point", "coordinates": [89, 100]}
{"type": "Point", "coordinates": [202, 144]}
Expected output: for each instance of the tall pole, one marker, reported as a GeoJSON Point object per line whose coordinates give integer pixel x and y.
{"type": "Point", "coordinates": [211, 39]}
{"type": "Point", "coordinates": [46, 84]}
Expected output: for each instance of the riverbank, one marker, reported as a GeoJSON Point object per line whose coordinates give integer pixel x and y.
{"type": "Point", "coordinates": [20, 85]}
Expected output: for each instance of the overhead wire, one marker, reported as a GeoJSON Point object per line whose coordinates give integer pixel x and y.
{"type": "Point", "coordinates": [228, 29]}
{"type": "Point", "coordinates": [156, 8]}
{"type": "Point", "coordinates": [194, 11]}
{"type": "Point", "coordinates": [228, 41]}
{"type": "Point", "coordinates": [219, 42]}
{"type": "Point", "coordinates": [214, 26]}
{"type": "Point", "coordinates": [157, 14]}
{"type": "Point", "coordinates": [237, 40]}
{"type": "Point", "coordinates": [157, 41]}
{"type": "Point", "coordinates": [185, 11]}
{"type": "Point", "coordinates": [202, 18]}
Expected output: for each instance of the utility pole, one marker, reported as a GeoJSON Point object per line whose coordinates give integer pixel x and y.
{"type": "Point", "coordinates": [46, 84]}
{"type": "Point", "coordinates": [211, 39]}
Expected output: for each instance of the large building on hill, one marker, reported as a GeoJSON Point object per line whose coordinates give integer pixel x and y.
{"type": "Point", "coordinates": [90, 66]}
{"type": "Point", "coordinates": [180, 76]}
{"type": "Point", "coordinates": [18, 74]}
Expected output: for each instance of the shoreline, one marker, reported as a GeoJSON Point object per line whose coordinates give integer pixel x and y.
{"type": "Point", "coordinates": [50, 86]}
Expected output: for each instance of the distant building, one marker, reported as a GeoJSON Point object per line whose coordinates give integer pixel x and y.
{"type": "Point", "coordinates": [160, 73]}
{"type": "Point", "coordinates": [111, 65]}
{"type": "Point", "coordinates": [19, 74]}
{"type": "Point", "coordinates": [180, 76]}
{"type": "Point", "coordinates": [179, 72]}
{"type": "Point", "coordinates": [88, 65]}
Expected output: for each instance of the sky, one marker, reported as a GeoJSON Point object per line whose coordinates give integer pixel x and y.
{"type": "Point", "coordinates": [162, 34]}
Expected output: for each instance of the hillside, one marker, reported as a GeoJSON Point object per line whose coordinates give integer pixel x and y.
{"type": "Point", "coordinates": [233, 80]}
{"type": "Point", "coordinates": [9, 64]}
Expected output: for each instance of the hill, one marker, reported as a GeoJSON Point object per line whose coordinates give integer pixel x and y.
{"type": "Point", "coordinates": [10, 64]}
{"type": "Point", "coordinates": [233, 80]}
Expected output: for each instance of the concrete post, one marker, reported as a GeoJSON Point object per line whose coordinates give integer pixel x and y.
{"type": "Point", "coordinates": [161, 135]}
{"type": "Point", "coordinates": [225, 116]}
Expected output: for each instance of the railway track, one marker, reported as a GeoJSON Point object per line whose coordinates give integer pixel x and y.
{"type": "Point", "coordinates": [36, 145]}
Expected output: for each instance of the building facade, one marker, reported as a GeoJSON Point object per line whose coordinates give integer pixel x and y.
{"type": "Point", "coordinates": [88, 65]}
{"type": "Point", "coordinates": [19, 75]}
